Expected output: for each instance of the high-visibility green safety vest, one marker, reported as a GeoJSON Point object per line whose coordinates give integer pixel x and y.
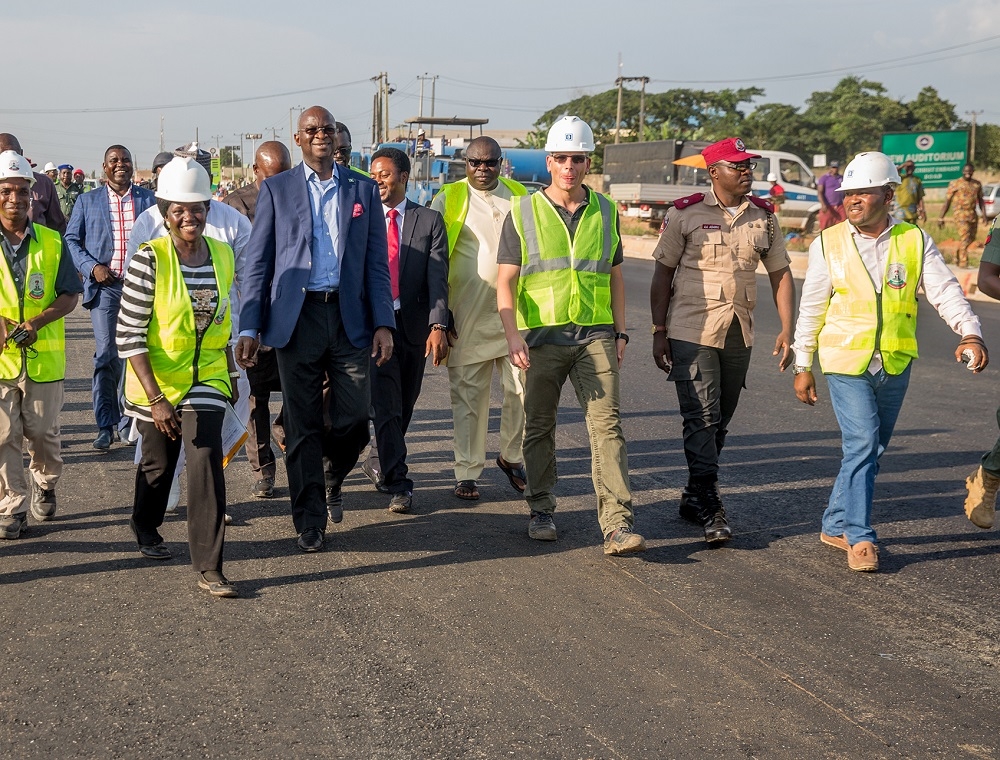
{"type": "Point", "coordinates": [46, 358]}
{"type": "Point", "coordinates": [178, 358]}
{"type": "Point", "coordinates": [563, 280]}
{"type": "Point", "coordinates": [456, 205]}
{"type": "Point", "coordinates": [859, 320]}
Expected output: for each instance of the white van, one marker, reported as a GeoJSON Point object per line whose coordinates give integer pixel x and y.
{"type": "Point", "coordinates": [801, 207]}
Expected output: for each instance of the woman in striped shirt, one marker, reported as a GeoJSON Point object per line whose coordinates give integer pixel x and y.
{"type": "Point", "coordinates": [174, 329]}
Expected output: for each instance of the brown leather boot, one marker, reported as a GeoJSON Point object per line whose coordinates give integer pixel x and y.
{"type": "Point", "coordinates": [980, 504]}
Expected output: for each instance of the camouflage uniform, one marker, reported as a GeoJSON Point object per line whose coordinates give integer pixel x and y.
{"type": "Point", "coordinates": [963, 196]}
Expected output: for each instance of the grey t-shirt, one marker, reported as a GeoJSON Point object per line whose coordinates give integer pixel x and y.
{"type": "Point", "coordinates": [569, 334]}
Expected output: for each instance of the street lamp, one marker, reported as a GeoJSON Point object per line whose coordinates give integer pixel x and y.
{"type": "Point", "coordinates": [253, 137]}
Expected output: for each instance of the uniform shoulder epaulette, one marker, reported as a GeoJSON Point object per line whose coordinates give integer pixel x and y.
{"type": "Point", "coordinates": [760, 202]}
{"type": "Point", "coordinates": [689, 200]}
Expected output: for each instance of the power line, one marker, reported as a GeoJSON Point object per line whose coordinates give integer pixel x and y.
{"type": "Point", "coordinates": [120, 109]}
{"type": "Point", "coordinates": [888, 63]}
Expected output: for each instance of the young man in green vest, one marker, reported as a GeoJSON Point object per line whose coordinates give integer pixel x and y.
{"type": "Point", "coordinates": [474, 210]}
{"type": "Point", "coordinates": [560, 280]}
{"type": "Point", "coordinates": [38, 287]}
{"type": "Point", "coordinates": [859, 310]}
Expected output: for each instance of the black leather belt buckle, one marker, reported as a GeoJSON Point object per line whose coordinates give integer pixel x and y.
{"type": "Point", "coordinates": [324, 296]}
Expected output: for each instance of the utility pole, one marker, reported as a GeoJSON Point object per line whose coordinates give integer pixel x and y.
{"type": "Point", "coordinates": [972, 150]}
{"type": "Point", "coordinates": [618, 116]}
{"type": "Point", "coordinates": [434, 80]}
{"type": "Point", "coordinates": [253, 137]}
{"type": "Point", "coordinates": [240, 135]}
{"type": "Point", "coordinates": [161, 133]}
{"type": "Point", "coordinates": [642, 104]}
{"type": "Point", "coordinates": [217, 148]}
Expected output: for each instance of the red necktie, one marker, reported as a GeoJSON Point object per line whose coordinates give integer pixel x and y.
{"type": "Point", "coordinates": [393, 235]}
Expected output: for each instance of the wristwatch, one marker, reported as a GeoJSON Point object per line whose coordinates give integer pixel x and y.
{"type": "Point", "coordinates": [659, 328]}
{"type": "Point", "coordinates": [622, 336]}
{"type": "Point", "coordinates": [798, 369]}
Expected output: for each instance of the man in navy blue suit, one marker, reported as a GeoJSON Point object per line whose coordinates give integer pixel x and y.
{"type": "Point", "coordinates": [316, 288]}
{"type": "Point", "coordinates": [97, 236]}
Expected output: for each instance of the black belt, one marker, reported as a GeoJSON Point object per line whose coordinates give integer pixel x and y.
{"type": "Point", "coordinates": [324, 296]}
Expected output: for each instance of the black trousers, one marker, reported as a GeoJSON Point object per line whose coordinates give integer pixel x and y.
{"type": "Point", "coordinates": [201, 436]}
{"type": "Point", "coordinates": [709, 382]}
{"type": "Point", "coordinates": [395, 388]}
{"type": "Point", "coordinates": [264, 381]}
{"type": "Point", "coordinates": [318, 347]}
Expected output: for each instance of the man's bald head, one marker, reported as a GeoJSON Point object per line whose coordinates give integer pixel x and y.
{"type": "Point", "coordinates": [9, 142]}
{"type": "Point", "coordinates": [314, 113]}
{"type": "Point", "coordinates": [483, 158]}
{"type": "Point", "coordinates": [271, 158]}
{"type": "Point", "coordinates": [483, 145]}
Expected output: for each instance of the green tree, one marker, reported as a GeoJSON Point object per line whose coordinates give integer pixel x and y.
{"type": "Point", "coordinates": [229, 155]}
{"type": "Point", "coordinates": [778, 126]}
{"type": "Point", "coordinates": [929, 112]}
{"type": "Point", "coordinates": [987, 146]}
{"type": "Point", "coordinates": [852, 117]}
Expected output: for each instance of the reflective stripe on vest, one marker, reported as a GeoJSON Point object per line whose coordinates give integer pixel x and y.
{"type": "Point", "coordinates": [456, 205]}
{"type": "Point", "coordinates": [562, 280]}
{"type": "Point", "coordinates": [177, 357]}
{"type": "Point", "coordinates": [47, 357]}
{"type": "Point", "coordinates": [859, 320]}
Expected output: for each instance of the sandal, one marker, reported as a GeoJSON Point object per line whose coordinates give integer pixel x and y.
{"type": "Point", "coordinates": [219, 587]}
{"type": "Point", "coordinates": [466, 489]}
{"type": "Point", "coordinates": [514, 474]}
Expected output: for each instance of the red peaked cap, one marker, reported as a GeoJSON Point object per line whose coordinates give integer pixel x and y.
{"type": "Point", "coordinates": [731, 149]}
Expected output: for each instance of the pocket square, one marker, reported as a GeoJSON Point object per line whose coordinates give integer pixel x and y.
{"type": "Point", "coordinates": [358, 211]}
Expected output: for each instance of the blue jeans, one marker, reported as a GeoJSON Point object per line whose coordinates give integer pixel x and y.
{"type": "Point", "coordinates": [107, 366]}
{"type": "Point", "coordinates": [866, 407]}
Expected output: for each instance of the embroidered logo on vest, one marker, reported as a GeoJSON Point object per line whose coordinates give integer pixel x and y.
{"type": "Point", "coordinates": [895, 276]}
{"type": "Point", "coordinates": [36, 285]}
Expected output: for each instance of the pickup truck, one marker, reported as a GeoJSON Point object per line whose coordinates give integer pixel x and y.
{"type": "Point", "coordinates": [644, 180]}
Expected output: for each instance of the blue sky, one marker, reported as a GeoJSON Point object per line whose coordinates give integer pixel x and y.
{"type": "Point", "coordinates": [507, 61]}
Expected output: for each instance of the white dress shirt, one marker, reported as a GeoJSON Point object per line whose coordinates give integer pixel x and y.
{"type": "Point", "coordinates": [940, 286]}
{"type": "Point", "coordinates": [401, 209]}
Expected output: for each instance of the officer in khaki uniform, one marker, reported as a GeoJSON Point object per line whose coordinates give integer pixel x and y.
{"type": "Point", "coordinates": [38, 287]}
{"type": "Point", "coordinates": [702, 297]}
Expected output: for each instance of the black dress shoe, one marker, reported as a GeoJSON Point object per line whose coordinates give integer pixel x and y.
{"type": "Point", "coordinates": [702, 505]}
{"type": "Point", "coordinates": [156, 551]}
{"type": "Point", "coordinates": [263, 488]}
{"type": "Point", "coordinates": [374, 477]}
{"type": "Point", "coordinates": [311, 540]}
{"type": "Point", "coordinates": [103, 440]}
{"type": "Point", "coordinates": [334, 504]}
{"type": "Point", "coordinates": [401, 502]}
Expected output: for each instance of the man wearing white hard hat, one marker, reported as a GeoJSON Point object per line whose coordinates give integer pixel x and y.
{"type": "Point", "coordinates": [38, 287]}
{"type": "Point", "coordinates": [51, 171]}
{"type": "Point", "coordinates": [560, 281]}
{"type": "Point", "coordinates": [859, 312]}
{"type": "Point", "coordinates": [44, 207]}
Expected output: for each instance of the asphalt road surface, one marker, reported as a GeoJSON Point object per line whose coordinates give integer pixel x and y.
{"type": "Point", "coordinates": [447, 633]}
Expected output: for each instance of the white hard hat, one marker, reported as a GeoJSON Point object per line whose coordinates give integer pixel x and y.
{"type": "Point", "coordinates": [50, 167]}
{"type": "Point", "coordinates": [772, 177]}
{"type": "Point", "coordinates": [570, 134]}
{"type": "Point", "coordinates": [15, 166]}
{"type": "Point", "coordinates": [871, 169]}
{"type": "Point", "coordinates": [183, 180]}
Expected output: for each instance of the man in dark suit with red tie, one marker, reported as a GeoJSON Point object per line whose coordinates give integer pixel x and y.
{"type": "Point", "coordinates": [316, 288]}
{"type": "Point", "coordinates": [418, 270]}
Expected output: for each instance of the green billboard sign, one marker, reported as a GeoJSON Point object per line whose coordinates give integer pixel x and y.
{"type": "Point", "coordinates": [216, 171]}
{"type": "Point", "coordinates": [938, 156]}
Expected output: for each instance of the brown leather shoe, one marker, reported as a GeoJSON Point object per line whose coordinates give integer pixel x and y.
{"type": "Point", "coordinates": [837, 542]}
{"type": "Point", "coordinates": [863, 557]}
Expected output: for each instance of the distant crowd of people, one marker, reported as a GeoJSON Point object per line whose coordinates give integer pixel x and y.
{"type": "Point", "coordinates": [324, 283]}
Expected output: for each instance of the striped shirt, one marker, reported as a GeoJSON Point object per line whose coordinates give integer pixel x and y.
{"type": "Point", "coordinates": [137, 311]}
{"type": "Point", "coordinates": [122, 219]}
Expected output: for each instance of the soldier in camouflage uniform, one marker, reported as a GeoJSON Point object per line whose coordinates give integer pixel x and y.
{"type": "Point", "coordinates": [967, 194]}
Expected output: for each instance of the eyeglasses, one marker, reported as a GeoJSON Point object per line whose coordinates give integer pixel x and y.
{"type": "Point", "coordinates": [743, 168]}
{"type": "Point", "coordinates": [328, 129]}
{"type": "Point", "coordinates": [475, 163]}
{"type": "Point", "coordinates": [345, 151]}
{"type": "Point", "coordinates": [559, 158]}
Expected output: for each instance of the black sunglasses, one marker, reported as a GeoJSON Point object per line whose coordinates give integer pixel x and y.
{"type": "Point", "coordinates": [492, 163]}
{"type": "Point", "coordinates": [329, 129]}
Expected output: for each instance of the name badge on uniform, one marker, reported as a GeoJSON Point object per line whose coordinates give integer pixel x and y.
{"type": "Point", "coordinates": [36, 285]}
{"type": "Point", "coordinates": [711, 226]}
{"type": "Point", "coordinates": [220, 317]}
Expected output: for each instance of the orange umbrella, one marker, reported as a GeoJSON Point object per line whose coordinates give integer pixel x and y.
{"type": "Point", "coordinates": [697, 161]}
